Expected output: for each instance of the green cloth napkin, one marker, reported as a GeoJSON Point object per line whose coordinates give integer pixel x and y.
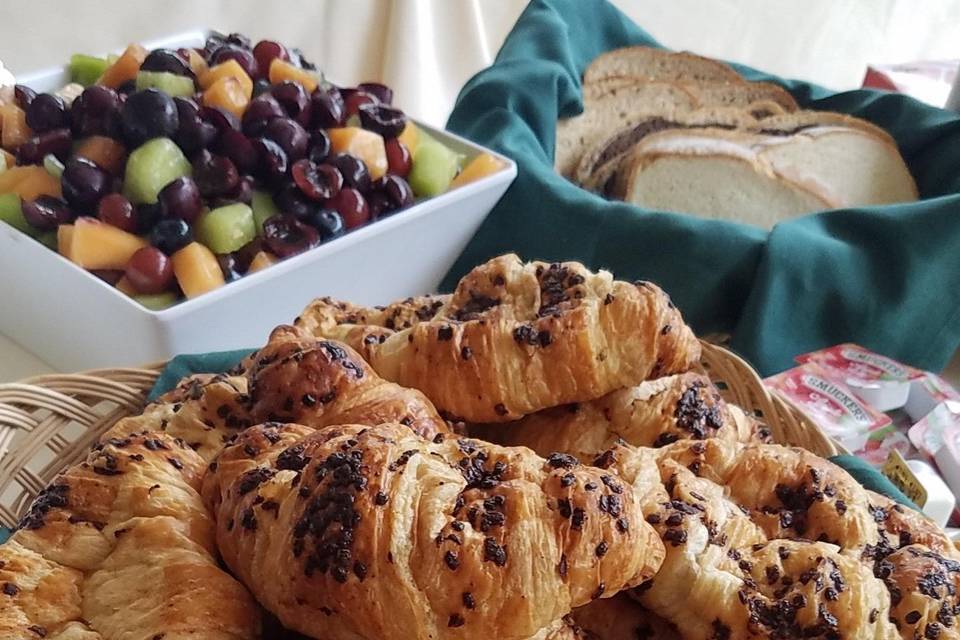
{"type": "Point", "coordinates": [884, 277]}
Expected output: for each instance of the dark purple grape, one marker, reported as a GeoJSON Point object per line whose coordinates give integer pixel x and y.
{"type": "Point", "coordinates": [47, 112]}
{"type": "Point", "coordinates": [319, 146]}
{"type": "Point", "coordinates": [213, 42]}
{"type": "Point", "coordinates": [382, 92]}
{"type": "Point", "coordinates": [116, 210]}
{"type": "Point", "coordinates": [328, 222]}
{"type": "Point", "coordinates": [352, 206]}
{"type": "Point", "coordinates": [84, 183]}
{"type": "Point", "coordinates": [150, 270]}
{"type": "Point", "coordinates": [220, 118]}
{"type": "Point", "coordinates": [148, 114]}
{"type": "Point", "coordinates": [317, 182]}
{"type": "Point", "coordinates": [168, 61]}
{"type": "Point", "coordinates": [230, 266]}
{"type": "Point", "coordinates": [399, 160]}
{"type": "Point", "coordinates": [147, 216]}
{"type": "Point", "coordinates": [193, 133]}
{"type": "Point", "coordinates": [354, 171]}
{"type": "Point", "coordinates": [96, 111]}
{"type": "Point", "coordinates": [260, 112]}
{"type": "Point", "coordinates": [46, 213]}
{"type": "Point", "coordinates": [291, 137]}
{"type": "Point", "coordinates": [326, 108]}
{"type": "Point", "coordinates": [243, 192]}
{"type": "Point", "coordinates": [170, 235]}
{"type": "Point", "coordinates": [215, 175]}
{"type": "Point", "coordinates": [239, 40]}
{"type": "Point", "coordinates": [23, 95]}
{"type": "Point", "coordinates": [287, 236]}
{"type": "Point", "coordinates": [244, 58]}
{"type": "Point", "coordinates": [59, 142]}
{"type": "Point", "coordinates": [379, 118]}
{"type": "Point", "coordinates": [379, 204]}
{"type": "Point", "coordinates": [290, 199]}
{"type": "Point", "coordinates": [238, 148]}
{"type": "Point", "coordinates": [181, 199]}
{"type": "Point", "coordinates": [261, 86]}
{"type": "Point", "coordinates": [272, 161]}
{"type": "Point", "coordinates": [266, 52]}
{"type": "Point", "coordinates": [353, 99]}
{"type": "Point", "coordinates": [396, 189]}
{"type": "Point", "coordinates": [294, 99]}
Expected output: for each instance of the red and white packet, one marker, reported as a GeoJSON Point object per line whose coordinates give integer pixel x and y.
{"type": "Point", "coordinates": [830, 403]}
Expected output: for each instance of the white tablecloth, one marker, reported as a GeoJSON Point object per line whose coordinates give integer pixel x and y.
{"type": "Point", "coordinates": [427, 49]}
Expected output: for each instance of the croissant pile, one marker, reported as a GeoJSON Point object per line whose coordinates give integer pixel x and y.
{"type": "Point", "coordinates": [535, 456]}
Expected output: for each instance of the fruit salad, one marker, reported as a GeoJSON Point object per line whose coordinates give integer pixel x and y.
{"type": "Point", "coordinates": [169, 173]}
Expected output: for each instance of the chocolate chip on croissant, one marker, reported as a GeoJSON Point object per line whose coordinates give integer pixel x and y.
{"type": "Point", "coordinates": [375, 532]}
{"type": "Point", "coordinates": [516, 338]}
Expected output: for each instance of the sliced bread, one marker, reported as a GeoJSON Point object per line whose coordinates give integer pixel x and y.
{"type": "Point", "coordinates": [714, 174]}
{"type": "Point", "coordinates": [600, 160]}
{"type": "Point", "coordinates": [619, 108]}
{"type": "Point", "coordinates": [857, 166]}
{"type": "Point", "coordinates": [800, 120]}
{"type": "Point", "coordinates": [741, 94]}
{"type": "Point", "coordinates": [658, 64]}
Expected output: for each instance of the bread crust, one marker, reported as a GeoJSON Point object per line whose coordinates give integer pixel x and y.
{"type": "Point", "coordinates": [516, 338]}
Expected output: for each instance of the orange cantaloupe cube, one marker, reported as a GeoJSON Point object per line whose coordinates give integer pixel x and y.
{"type": "Point", "coordinates": [228, 69]}
{"type": "Point", "coordinates": [480, 167]}
{"type": "Point", "coordinates": [363, 144]}
{"type": "Point", "coordinates": [227, 94]}
{"type": "Point", "coordinates": [281, 70]}
{"type": "Point", "coordinates": [125, 68]}
{"type": "Point", "coordinates": [197, 270]}
{"type": "Point", "coordinates": [9, 160]}
{"type": "Point", "coordinates": [14, 130]}
{"type": "Point", "coordinates": [97, 245]}
{"type": "Point", "coordinates": [262, 260]}
{"type": "Point", "coordinates": [65, 240]}
{"type": "Point", "coordinates": [29, 181]}
{"type": "Point", "coordinates": [105, 152]}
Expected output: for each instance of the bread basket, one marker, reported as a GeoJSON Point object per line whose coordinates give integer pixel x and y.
{"type": "Point", "coordinates": [49, 422]}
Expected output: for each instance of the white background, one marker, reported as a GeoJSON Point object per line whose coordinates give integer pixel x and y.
{"type": "Point", "coordinates": [427, 49]}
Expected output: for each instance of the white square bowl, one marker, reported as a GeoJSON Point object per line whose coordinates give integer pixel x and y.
{"type": "Point", "coordinates": [75, 321]}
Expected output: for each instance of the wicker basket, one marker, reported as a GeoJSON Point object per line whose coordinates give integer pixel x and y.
{"type": "Point", "coordinates": [50, 422]}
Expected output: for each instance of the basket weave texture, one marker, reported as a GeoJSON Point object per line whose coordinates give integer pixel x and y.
{"type": "Point", "coordinates": [50, 422]}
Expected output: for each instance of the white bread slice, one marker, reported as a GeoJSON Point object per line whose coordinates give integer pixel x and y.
{"type": "Point", "coordinates": [657, 64]}
{"type": "Point", "coordinates": [619, 108]}
{"type": "Point", "coordinates": [713, 174]}
{"type": "Point", "coordinates": [600, 160]}
{"type": "Point", "coordinates": [858, 167]}
{"type": "Point", "coordinates": [799, 120]}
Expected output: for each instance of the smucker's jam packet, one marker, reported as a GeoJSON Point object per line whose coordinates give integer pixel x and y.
{"type": "Point", "coordinates": [831, 404]}
{"type": "Point", "coordinates": [880, 381]}
{"type": "Point", "coordinates": [927, 435]}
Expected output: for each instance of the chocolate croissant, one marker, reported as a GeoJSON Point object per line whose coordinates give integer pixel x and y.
{"type": "Point", "coordinates": [121, 546]}
{"type": "Point", "coordinates": [374, 532]}
{"type": "Point", "coordinates": [652, 414]}
{"type": "Point", "coordinates": [297, 378]}
{"type": "Point", "coordinates": [517, 338]}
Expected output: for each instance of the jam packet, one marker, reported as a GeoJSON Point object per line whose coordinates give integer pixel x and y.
{"type": "Point", "coordinates": [926, 393]}
{"type": "Point", "coordinates": [829, 403]}
{"type": "Point", "coordinates": [880, 381]}
{"type": "Point", "coordinates": [927, 435]}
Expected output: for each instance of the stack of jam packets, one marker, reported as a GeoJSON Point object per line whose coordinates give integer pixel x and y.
{"type": "Point", "coordinates": [900, 419]}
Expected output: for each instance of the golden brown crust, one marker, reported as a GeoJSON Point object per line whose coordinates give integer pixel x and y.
{"type": "Point", "coordinates": [126, 549]}
{"type": "Point", "coordinates": [296, 378]}
{"type": "Point", "coordinates": [923, 588]}
{"type": "Point", "coordinates": [203, 410]}
{"type": "Point", "coordinates": [360, 532]}
{"type": "Point", "coordinates": [516, 338]}
{"type": "Point", "coordinates": [622, 618]}
{"type": "Point", "coordinates": [721, 565]}
{"type": "Point", "coordinates": [652, 414]}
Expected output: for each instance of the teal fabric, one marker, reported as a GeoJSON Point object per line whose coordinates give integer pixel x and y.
{"type": "Point", "coordinates": [885, 277]}
{"type": "Point", "coordinates": [221, 361]}
{"type": "Point", "coordinates": [185, 365]}
{"type": "Point", "coordinates": [4, 534]}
